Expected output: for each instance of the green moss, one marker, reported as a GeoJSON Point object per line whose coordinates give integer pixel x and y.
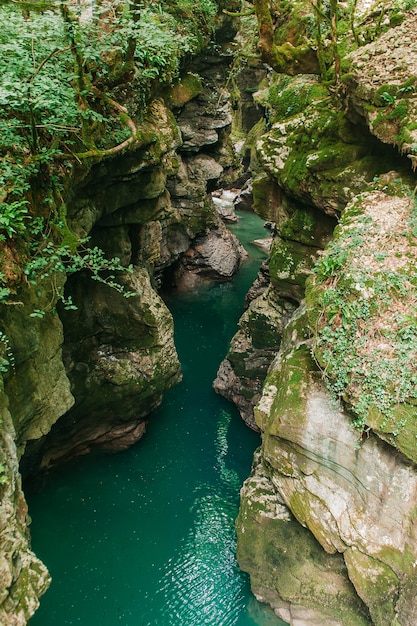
{"type": "Point", "coordinates": [290, 96]}
{"type": "Point", "coordinates": [263, 331]}
{"type": "Point", "coordinates": [250, 139]}
{"type": "Point", "coordinates": [290, 264]}
{"type": "Point", "coordinates": [266, 198]}
{"type": "Point", "coordinates": [392, 123]}
{"type": "Point", "coordinates": [304, 575]}
{"type": "Point", "coordinates": [184, 90]}
{"type": "Point", "coordinates": [378, 585]}
{"type": "Point", "coordinates": [399, 428]}
{"type": "Point", "coordinates": [376, 377]}
{"type": "Point", "coordinates": [320, 157]}
{"type": "Point", "coordinates": [289, 404]}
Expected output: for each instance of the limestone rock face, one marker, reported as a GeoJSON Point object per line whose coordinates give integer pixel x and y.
{"type": "Point", "coordinates": [120, 357]}
{"type": "Point", "coordinates": [130, 180]}
{"type": "Point", "coordinates": [23, 578]}
{"type": "Point", "coordinates": [253, 347]}
{"type": "Point", "coordinates": [201, 127]}
{"type": "Point", "coordinates": [215, 255]}
{"type": "Point", "coordinates": [36, 345]}
{"type": "Point", "coordinates": [371, 364]}
{"type": "Point", "coordinates": [381, 83]}
{"type": "Point", "coordinates": [300, 235]}
{"type": "Point", "coordinates": [335, 477]}
{"type": "Point", "coordinates": [352, 491]}
{"type": "Point", "coordinates": [300, 573]}
{"type": "Point", "coordinates": [339, 487]}
{"type": "Point", "coordinates": [206, 152]}
{"type": "Point", "coordinates": [188, 190]}
{"type": "Point", "coordinates": [143, 207]}
{"type": "Point", "coordinates": [313, 152]}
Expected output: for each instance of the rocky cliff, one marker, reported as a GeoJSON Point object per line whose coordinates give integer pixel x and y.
{"type": "Point", "coordinates": [85, 370]}
{"type": "Point", "coordinates": [323, 363]}
{"type": "Point", "coordinates": [326, 527]}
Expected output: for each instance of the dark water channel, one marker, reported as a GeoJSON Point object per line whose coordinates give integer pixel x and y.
{"type": "Point", "coordinates": [146, 537]}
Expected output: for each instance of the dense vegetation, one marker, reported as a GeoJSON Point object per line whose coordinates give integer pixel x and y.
{"type": "Point", "coordinates": [75, 83]}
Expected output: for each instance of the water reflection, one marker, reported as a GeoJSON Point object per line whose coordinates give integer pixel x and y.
{"type": "Point", "coordinates": [201, 584]}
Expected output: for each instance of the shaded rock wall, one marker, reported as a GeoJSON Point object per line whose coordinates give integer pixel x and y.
{"type": "Point", "coordinates": [23, 577]}
{"type": "Point", "coordinates": [88, 379]}
{"type": "Point", "coordinates": [145, 207]}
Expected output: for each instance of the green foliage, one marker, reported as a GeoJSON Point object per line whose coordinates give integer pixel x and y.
{"type": "Point", "coordinates": [6, 354]}
{"type": "Point", "coordinates": [13, 216]}
{"type": "Point", "coordinates": [51, 259]}
{"type": "Point", "coordinates": [3, 478]}
{"type": "Point", "coordinates": [388, 98]}
{"type": "Point", "coordinates": [365, 342]}
{"type": "Point", "coordinates": [161, 47]}
{"type": "Point", "coordinates": [59, 85]}
{"type": "Point", "coordinates": [54, 68]}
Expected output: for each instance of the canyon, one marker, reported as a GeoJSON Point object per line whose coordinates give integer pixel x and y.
{"type": "Point", "coordinates": [323, 361]}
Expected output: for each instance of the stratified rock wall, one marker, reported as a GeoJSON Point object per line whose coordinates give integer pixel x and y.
{"type": "Point", "coordinates": [326, 527]}
{"type": "Point", "coordinates": [23, 577]}
{"type": "Point", "coordinates": [88, 378]}
{"type": "Point", "coordinates": [150, 208]}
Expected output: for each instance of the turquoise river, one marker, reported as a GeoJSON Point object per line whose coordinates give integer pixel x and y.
{"type": "Point", "coordinates": [146, 537]}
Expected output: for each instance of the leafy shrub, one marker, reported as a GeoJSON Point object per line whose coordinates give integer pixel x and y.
{"type": "Point", "coordinates": [57, 74]}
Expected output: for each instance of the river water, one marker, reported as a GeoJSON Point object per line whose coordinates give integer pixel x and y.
{"type": "Point", "coordinates": [146, 537]}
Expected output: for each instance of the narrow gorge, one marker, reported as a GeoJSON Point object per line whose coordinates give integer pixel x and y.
{"type": "Point", "coordinates": [121, 127]}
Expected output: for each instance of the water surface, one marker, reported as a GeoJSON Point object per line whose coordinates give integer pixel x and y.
{"type": "Point", "coordinates": [146, 537]}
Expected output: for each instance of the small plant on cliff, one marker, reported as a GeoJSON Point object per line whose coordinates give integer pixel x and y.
{"type": "Point", "coordinates": [7, 357]}
{"type": "Point", "coordinates": [62, 259]}
{"type": "Point", "coordinates": [4, 479]}
{"type": "Point", "coordinates": [363, 310]}
{"type": "Point", "coordinates": [62, 75]}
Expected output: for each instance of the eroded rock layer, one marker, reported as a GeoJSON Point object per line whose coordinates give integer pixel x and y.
{"type": "Point", "coordinates": [326, 527]}
{"type": "Point", "coordinates": [86, 373]}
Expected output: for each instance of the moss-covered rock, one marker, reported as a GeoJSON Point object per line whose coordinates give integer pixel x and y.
{"type": "Point", "coordinates": [23, 578]}
{"type": "Point", "coordinates": [185, 89]}
{"type": "Point", "coordinates": [267, 199]}
{"type": "Point", "coordinates": [360, 307]}
{"type": "Point", "coordinates": [337, 487]}
{"type": "Point", "coordinates": [350, 492]}
{"type": "Point", "coordinates": [34, 334]}
{"type": "Point", "coordinates": [241, 374]}
{"type": "Point", "coordinates": [120, 358]}
{"type": "Point", "coordinates": [287, 566]}
{"type": "Point", "coordinates": [381, 84]}
{"type": "Point", "coordinates": [298, 241]}
{"type": "Point", "coordinates": [125, 182]}
{"type": "Point", "coordinates": [378, 585]}
{"type": "Point", "coordinates": [313, 152]}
